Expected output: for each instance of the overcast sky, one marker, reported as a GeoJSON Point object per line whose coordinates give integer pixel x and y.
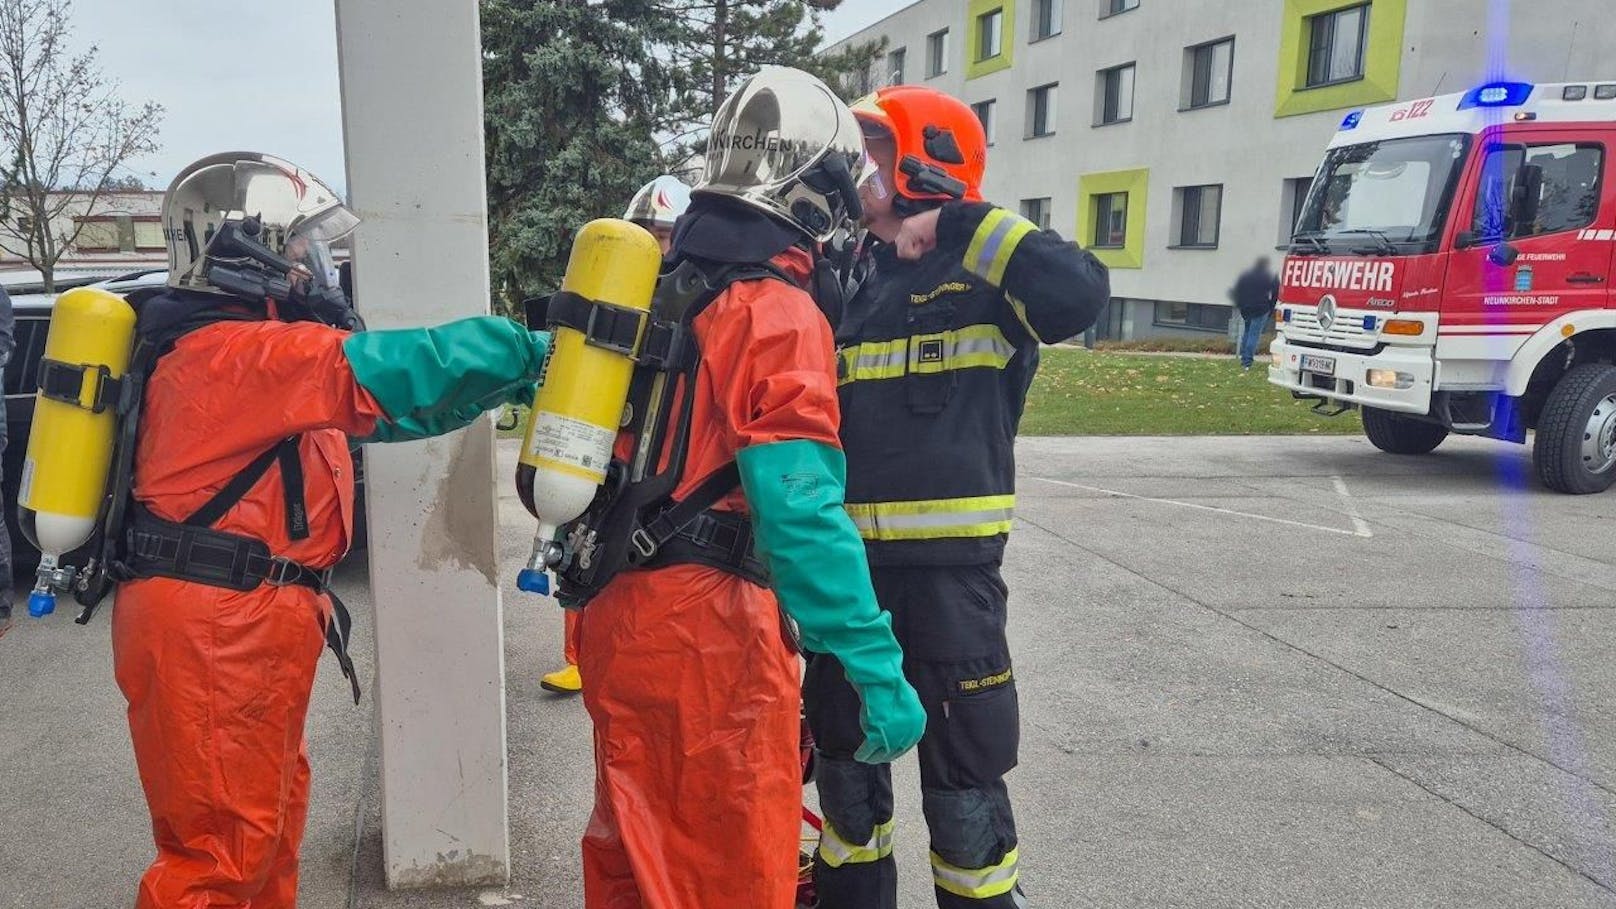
{"type": "Point", "coordinates": [256, 76]}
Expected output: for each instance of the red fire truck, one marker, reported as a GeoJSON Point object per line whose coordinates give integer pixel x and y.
{"type": "Point", "coordinates": [1451, 271]}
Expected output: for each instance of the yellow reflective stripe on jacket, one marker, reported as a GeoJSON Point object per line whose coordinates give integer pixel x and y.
{"type": "Point", "coordinates": [960, 348]}
{"type": "Point", "coordinates": [933, 519]}
{"type": "Point", "coordinates": [874, 360]}
{"type": "Point", "coordinates": [837, 852]}
{"type": "Point", "coordinates": [1020, 309]}
{"type": "Point", "coordinates": [977, 884]}
{"type": "Point", "coordinates": [993, 244]}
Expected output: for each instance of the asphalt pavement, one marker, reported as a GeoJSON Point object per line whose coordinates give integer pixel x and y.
{"type": "Point", "coordinates": [1253, 672]}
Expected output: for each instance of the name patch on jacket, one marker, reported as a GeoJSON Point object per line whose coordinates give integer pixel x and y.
{"type": "Point", "coordinates": [986, 683]}
{"type": "Point", "coordinates": [941, 290]}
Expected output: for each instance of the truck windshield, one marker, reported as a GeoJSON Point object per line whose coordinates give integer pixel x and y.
{"type": "Point", "coordinates": [1382, 194]}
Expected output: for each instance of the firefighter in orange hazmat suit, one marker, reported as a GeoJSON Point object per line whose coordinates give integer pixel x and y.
{"type": "Point", "coordinates": [243, 496]}
{"type": "Point", "coordinates": [689, 678]}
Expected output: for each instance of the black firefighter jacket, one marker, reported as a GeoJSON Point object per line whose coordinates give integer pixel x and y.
{"type": "Point", "coordinates": [936, 359]}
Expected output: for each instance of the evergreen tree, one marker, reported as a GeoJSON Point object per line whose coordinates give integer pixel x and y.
{"type": "Point", "coordinates": [586, 100]}
{"type": "Point", "coordinates": [720, 42]}
{"type": "Point", "coordinates": [573, 97]}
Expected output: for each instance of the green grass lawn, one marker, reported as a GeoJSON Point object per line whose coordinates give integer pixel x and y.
{"type": "Point", "coordinates": [1082, 393]}
{"type": "Point", "coordinates": [1123, 394]}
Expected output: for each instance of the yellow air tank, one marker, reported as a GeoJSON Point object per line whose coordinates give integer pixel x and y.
{"type": "Point", "coordinates": [579, 408]}
{"type": "Point", "coordinates": [70, 444]}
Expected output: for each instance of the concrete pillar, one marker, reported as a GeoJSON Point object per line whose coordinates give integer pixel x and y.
{"type": "Point", "coordinates": [413, 124]}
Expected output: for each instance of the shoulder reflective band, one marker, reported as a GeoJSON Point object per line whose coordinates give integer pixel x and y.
{"type": "Point", "coordinates": [960, 348]}
{"type": "Point", "coordinates": [976, 884]}
{"type": "Point", "coordinates": [994, 243]}
{"type": "Point", "coordinates": [838, 852]}
{"type": "Point", "coordinates": [1020, 310]}
{"type": "Point", "coordinates": [933, 519]}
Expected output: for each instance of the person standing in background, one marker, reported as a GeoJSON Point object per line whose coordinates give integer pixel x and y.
{"type": "Point", "coordinates": [1254, 293]}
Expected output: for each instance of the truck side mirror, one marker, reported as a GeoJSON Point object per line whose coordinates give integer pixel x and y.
{"type": "Point", "coordinates": [1526, 198]}
{"type": "Point", "coordinates": [1503, 255]}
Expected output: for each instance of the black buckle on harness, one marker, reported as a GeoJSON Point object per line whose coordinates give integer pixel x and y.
{"type": "Point", "coordinates": [667, 347]}
{"type": "Point", "coordinates": [643, 543]}
{"type": "Point", "coordinates": [64, 382]}
{"type": "Point", "coordinates": [283, 572]}
{"type": "Point", "coordinates": [702, 530]}
{"type": "Point", "coordinates": [604, 325]}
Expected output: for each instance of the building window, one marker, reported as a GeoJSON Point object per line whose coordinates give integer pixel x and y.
{"type": "Point", "coordinates": [1199, 209]}
{"type": "Point", "coordinates": [1209, 71]}
{"type": "Point", "coordinates": [1046, 18]}
{"type": "Point", "coordinates": [116, 233]}
{"type": "Point", "coordinates": [867, 81]}
{"type": "Point", "coordinates": [1194, 316]}
{"type": "Point", "coordinates": [895, 61]}
{"type": "Point", "coordinates": [936, 53]}
{"type": "Point", "coordinates": [1336, 42]}
{"type": "Point", "coordinates": [149, 236]}
{"type": "Point", "coordinates": [1110, 8]}
{"type": "Point", "coordinates": [1041, 111]}
{"type": "Point", "coordinates": [1115, 91]}
{"type": "Point", "coordinates": [989, 35]}
{"type": "Point", "coordinates": [1036, 211]}
{"type": "Point", "coordinates": [1295, 202]}
{"type": "Point", "coordinates": [1110, 221]}
{"type": "Point", "coordinates": [984, 113]}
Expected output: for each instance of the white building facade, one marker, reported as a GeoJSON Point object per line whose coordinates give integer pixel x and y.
{"type": "Point", "coordinates": [1175, 138]}
{"type": "Point", "coordinates": [114, 233]}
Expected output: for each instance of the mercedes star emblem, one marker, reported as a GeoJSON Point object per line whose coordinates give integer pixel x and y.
{"type": "Point", "coordinates": [1327, 311]}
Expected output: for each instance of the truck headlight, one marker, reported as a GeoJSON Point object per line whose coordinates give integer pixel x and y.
{"type": "Point", "coordinates": [1389, 378]}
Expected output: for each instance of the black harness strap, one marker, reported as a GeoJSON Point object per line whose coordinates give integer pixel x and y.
{"type": "Point", "coordinates": [227, 496]}
{"type": "Point", "coordinates": [285, 453]}
{"type": "Point", "coordinates": [64, 382]}
{"type": "Point", "coordinates": [297, 508]}
{"type": "Point", "coordinates": [615, 328]}
{"type": "Point", "coordinates": [666, 524]}
{"type": "Point", "coordinates": [202, 555]}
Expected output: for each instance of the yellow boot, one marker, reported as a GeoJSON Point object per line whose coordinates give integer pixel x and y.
{"type": "Point", "coordinates": [563, 681]}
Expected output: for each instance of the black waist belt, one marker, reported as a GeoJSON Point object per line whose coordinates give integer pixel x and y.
{"type": "Point", "coordinates": [717, 539]}
{"type": "Point", "coordinates": [159, 548]}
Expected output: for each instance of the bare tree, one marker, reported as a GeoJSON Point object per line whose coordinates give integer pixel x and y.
{"type": "Point", "coordinates": [67, 131]}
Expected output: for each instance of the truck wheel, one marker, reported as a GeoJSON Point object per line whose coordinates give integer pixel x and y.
{"type": "Point", "coordinates": [1398, 434]}
{"type": "Point", "coordinates": [1575, 451]}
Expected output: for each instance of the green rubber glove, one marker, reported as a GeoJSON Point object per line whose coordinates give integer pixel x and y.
{"type": "Point", "coordinates": [796, 492]}
{"type": "Point", "coordinates": [430, 381]}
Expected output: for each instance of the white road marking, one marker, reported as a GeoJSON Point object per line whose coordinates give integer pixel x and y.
{"type": "Point", "coordinates": [1360, 529]}
{"type": "Point", "coordinates": [1358, 522]}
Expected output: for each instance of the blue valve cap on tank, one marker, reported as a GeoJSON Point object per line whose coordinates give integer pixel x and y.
{"type": "Point", "coordinates": [41, 604]}
{"type": "Point", "coordinates": [529, 580]}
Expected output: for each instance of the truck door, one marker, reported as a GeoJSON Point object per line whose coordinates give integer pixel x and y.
{"type": "Point", "coordinates": [1528, 247]}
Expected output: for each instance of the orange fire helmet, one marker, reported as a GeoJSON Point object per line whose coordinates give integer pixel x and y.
{"type": "Point", "coordinates": [942, 148]}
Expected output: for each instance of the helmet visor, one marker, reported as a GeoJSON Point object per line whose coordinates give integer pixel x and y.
{"type": "Point", "coordinates": [285, 195]}
{"type": "Point", "coordinates": [328, 226]}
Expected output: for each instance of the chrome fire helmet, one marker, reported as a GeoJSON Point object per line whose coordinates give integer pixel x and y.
{"type": "Point", "coordinates": [659, 203]}
{"type": "Point", "coordinates": [784, 143]}
{"type": "Point", "coordinates": [285, 208]}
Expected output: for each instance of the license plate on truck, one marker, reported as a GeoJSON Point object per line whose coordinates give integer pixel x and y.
{"type": "Point", "coordinates": [1324, 366]}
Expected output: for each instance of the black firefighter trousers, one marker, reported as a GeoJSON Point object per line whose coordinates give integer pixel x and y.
{"type": "Point", "coordinates": [951, 624]}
